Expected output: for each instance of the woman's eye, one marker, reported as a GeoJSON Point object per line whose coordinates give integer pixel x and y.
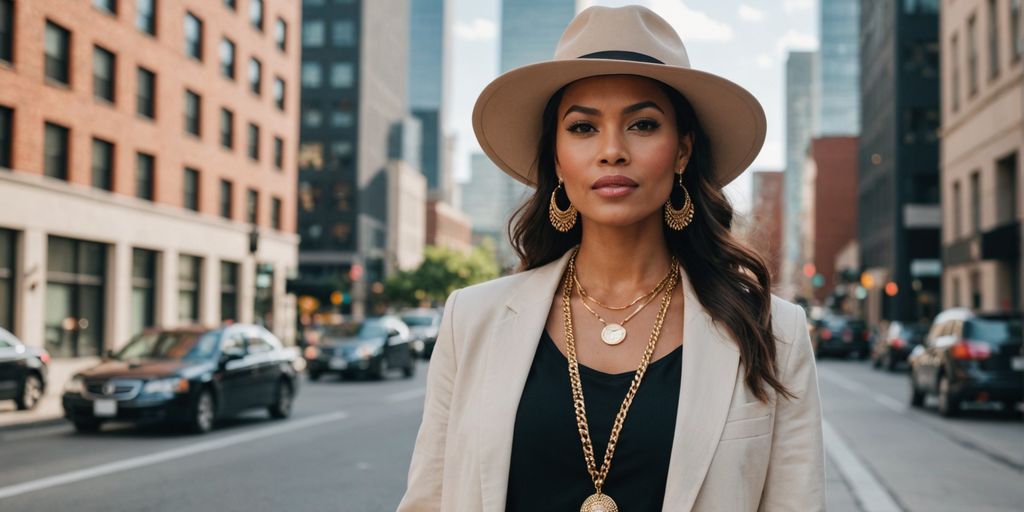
{"type": "Point", "coordinates": [580, 127]}
{"type": "Point", "coordinates": [646, 125]}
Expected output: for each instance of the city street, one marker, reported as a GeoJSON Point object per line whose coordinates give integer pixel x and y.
{"type": "Point", "coordinates": [348, 444]}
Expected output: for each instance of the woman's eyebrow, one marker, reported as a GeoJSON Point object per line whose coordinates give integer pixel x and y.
{"type": "Point", "coordinates": [632, 108]}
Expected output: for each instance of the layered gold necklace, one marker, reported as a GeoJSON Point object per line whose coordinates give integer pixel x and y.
{"type": "Point", "coordinates": [600, 502]}
{"type": "Point", "coordinates": [615, 332]}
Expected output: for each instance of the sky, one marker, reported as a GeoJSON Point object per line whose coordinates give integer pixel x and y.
{"type": "Point", "coordinates": [744, 41]}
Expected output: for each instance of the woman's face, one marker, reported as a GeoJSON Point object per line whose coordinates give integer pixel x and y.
{"type": "Point", "coordinates": [617, 148]}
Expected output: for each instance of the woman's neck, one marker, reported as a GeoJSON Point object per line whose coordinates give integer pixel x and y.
{"type": "Point", "coordinates": [620, 263]}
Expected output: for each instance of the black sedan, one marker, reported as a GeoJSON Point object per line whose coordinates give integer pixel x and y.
{"type": "Point", "coordinates": [969, 357]}
{"type": "Point", "coordinates": [892, 348]}
{"type": "Point", "coordinates": [372, 348]}
{"type": "Point", "coordinates": [842, 336]}
{"type": "Point", "coordinates": [23, 371]}
{"type": "Point", "coordinates": [423, 326]}
{"type": "Point", "coordinates": [186, 376]}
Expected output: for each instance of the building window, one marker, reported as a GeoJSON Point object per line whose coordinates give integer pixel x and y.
{"type": "Point", "coordinates": [1006, 189]}
{"type": "Point", "coordinates": [955, 75]}
{"type": "Point", "coordinates": [975, 290]}
{"type": "Point", "coordinates": [193, 36]}
{"type": "Point", "coordinates": [975, 192]}
{"type": "Point", "coordinates": [278, 153]}
{"type": "Point", "coordinates": [193, 109]}
{"type": "Point", "coordinates": [227, 128]}
{"type": "Point", "coordinates": [972, 56]}
{"type": "Point", "coordinates": [228, 291]}
{"type": "Point", "coordinates": [312, 117]}
{"type": "Point", "coordinates": [254, 142]}
{"type": "Point", "coordinates": [55, 155]}
{"type": "Point", "coordinates": [6, 136]}
{"type": "Point", "coordinates": [75, 288]}
{"type": "Point", "coordinates": [342, 75]}
{"type": "Point", "coordinates": [311, 156]}
{"type": "Point", "coordinates": [104, 64]}
{"type": "Point", "coordinates": [7, 273]}
{"type": "Point", "coordinates": [280, 34]}
{"type": "Point", "coordinates": [956, 292]}
{"type": "Point", "coordinates": [225, 199]}
{"type": "Point", "coordinates": [342, 118]}
{"type": "Point", "coordinates": [108, 6]}
{"type": "Point", "coordinates": [191, 189]}
{"type": "Point", "coordinates": [256, 13]}
{"type": "Point", "coordinates": [102, 164]}
{"type": "Point", "coordinates": [143, 289]}
{"type": "Point", "coordinates": [993, 39]}
{"type": "Point", "coordinates": [1016, 38]}
{"type": "Point", "coordinates": [7, 30]}
{"type": "Point", "coordinates": [189, 283]}
{"type": "Point", "coordinates": [144, 167]}
{"type": "Point", "coordinates": [275, 213]}
{"type": "Point", "coordinates": [279, 93]}
{"type": "Point", "coordinates": [145, 94]}
{"type": "Point", "coordinates": [145, 16]}
{"type": "Point", "coordinates": [312, 33]}
{"type": "Point", "coordinates": [958, 212]}
{"type": "Point", "coordinates": [58, 44]}
{"type": "Point", "coordinates": [252, 208]}
{"type": "Point", "coordinates": [343, 33]}
{"type": "Point", "coordinates": [227, 58]}
{"type": "Point", "coordinates": [255, 75]}
{"type": "Point", "coordinates": [312, 75]}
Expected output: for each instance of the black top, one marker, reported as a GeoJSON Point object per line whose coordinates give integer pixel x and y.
{"type": "Point", "coordinates": [547, 470]}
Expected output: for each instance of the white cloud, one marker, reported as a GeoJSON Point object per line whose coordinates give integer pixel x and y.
{"type": "Point", "coordinates": [692, 25]}
{"type": "Point", "coordinates": [749, 13]}
{"type": "Point", "coordinates": [797, 5]}
{"type": "Point", "coordinates": [764, 61]}
{"type": "Point", "coordinates": [480, 29]}
{"type": "Point", "coordinates": [795, 40]}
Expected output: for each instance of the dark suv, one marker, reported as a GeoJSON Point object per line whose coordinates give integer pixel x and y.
{"type": "Point", "coordinates": [969, 357]}
{"type": "Point", "coordinates": [891, 349]}
{"type": "Point", "coordinates": [23, 371]}
{"type": "Point", "coordinates": [841, 336]}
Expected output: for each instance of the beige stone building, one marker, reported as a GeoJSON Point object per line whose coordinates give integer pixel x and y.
{"type": "Point", "coordinates": [147, 167]}
{"type": "Point", "coordinates": [982, 45]}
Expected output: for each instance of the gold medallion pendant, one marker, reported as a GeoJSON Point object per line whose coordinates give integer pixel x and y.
{"type": "Point", "coordinates": [599, 503]}
{"type": "Point", "coordinates": [613, 334]}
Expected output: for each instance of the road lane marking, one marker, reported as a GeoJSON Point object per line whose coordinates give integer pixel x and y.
{"type": "Point", "coordinates": [167, 455]}
{"type": "Point", "coordinates": [855, 387]}
{"type": "Point", "coordinates": [868, 491]}
{"type": "Point", "coordinates": [406, 395]}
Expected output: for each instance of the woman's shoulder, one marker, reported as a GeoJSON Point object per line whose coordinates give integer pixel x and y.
{"type": "Point", "coordinates": [488, 293]}
{"type": "Point", "coordinates": [787, 319]}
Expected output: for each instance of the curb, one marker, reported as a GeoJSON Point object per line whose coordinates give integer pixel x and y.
{"type": "Point", "coordinates": [32, 424]}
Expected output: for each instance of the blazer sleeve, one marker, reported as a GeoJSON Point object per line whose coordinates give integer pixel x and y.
{"type": "Point", "coordinates": [796, 469]}
{"type": "Point", "coordinates": [426, 471]}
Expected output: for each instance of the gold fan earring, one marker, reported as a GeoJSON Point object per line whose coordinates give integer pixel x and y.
{"type": "Point", "coordinates": [562, 220]}
{"type": "Point", "coordinates": [679, 219]}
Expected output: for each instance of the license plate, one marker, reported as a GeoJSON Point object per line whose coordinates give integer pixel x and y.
{"type": "Point", "coordinates": [105, 408]}
{"type": "Point", "coordinates": [338, 363]}
{"type": "Point", "coordinates": [1018, 363]}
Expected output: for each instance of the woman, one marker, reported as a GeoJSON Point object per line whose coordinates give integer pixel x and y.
{"type": "Point", "coordinates": [639, 360]}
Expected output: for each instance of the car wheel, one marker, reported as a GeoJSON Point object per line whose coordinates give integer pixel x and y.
{"type": "Point", "coordinates": [87, 426]}
{"type": "Point", "coordinates": [381, 371]}
{"type": "Point", "coordinates": [203, 413]}
{"type": "Point", "coordinates": [282, 406]}
{"type": "Point", "coordinates": [314, 376]}
{"type": "Point", "coordinates": [410, 370]}
{"type": "Point", "coordinates": [31, 392]}
{"type": "Point", "coordinates": [891, 363]}
{"type": "Point", "coordinates": [876, 361]}
{"type": "Point", "coordinates": [949, 404]}
{"type": "Point", "coordinates": [916, 395]}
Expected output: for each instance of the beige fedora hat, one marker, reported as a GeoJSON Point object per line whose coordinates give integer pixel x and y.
{"type": "Point", "coordinates": [630, 40]}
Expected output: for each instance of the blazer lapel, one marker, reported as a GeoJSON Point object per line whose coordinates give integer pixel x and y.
{"type": "Point", "coordinates": [511, 349]}
{"type": "Point", "coordinates": [710, 366]}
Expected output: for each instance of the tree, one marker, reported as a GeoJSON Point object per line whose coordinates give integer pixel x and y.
{"type": "Point", "coordinates": [442, 271]}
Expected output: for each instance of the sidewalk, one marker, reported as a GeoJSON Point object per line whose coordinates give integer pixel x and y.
{"type": "Point", "coordinates": [49, 408]}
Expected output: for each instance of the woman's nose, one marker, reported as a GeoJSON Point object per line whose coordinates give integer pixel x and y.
{"type": "Point", "coordinates": [613, 149]}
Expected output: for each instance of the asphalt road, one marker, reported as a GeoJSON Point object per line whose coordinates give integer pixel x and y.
{"type": "Point", "coordinates": [347, 448]}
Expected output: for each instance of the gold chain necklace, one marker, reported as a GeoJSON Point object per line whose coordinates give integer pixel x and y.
{"type": "Point", "coordinates": [648, 295]}
{"type": "Point", "coordinates": [615, 332]}
{"type": "Point", "coordinates": [599, 502]}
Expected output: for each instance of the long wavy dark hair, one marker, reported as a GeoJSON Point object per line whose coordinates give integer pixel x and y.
{"type": "Point", "coordinates": [733, 280]}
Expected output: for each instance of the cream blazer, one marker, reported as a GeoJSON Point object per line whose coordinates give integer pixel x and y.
{"type": "Point", "coordinates": [730, 452]}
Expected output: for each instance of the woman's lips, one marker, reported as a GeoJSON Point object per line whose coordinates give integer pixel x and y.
{"type": "Point", "coordinates": [614, 186]}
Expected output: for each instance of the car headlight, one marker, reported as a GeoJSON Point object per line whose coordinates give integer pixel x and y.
{"type": "Point", "coordinates": [367, 350]}
{"type": "Point", "coordinates": [74, 385]}
{"type": "Point", "coordinates": [166, 386]}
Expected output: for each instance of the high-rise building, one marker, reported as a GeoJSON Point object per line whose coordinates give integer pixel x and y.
{"type": "Point", "coordinates": [354, 78]}
{"type": "Point", "coordinates": [429, 67]}
{"type": "Point", "coordinates": [800, 102]}
{"type": "Point", "coordinates": [898, 182]}
{"type": "Point", "coordinates": [765, 233]}
{"type": "Point", "coordinates": [982, 154]}
{"type": "Point", "coordinates": [489, 200]}
{"type": "Point", "coordinates": [147, 170]}
{"type": "Point", "coordinates": [837, 82]}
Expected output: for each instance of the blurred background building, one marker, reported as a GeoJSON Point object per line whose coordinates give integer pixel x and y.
{"type": "Point", "coordinates": [764, 231]}
{"type": "Point", "coordinates": [799, 129]}
{"type": "Point", "coordinates": [147, 167]}
{"type": "Point", "coordinates": [982, 141]}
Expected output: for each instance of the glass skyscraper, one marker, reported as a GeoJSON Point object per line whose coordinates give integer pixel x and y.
{"type": "Point", "coordinates": [530, 29]}
{"type": "Point", "coordinates": [428, 61]}
{"type": "Point", "coordinates": [837, 111]}
{"type": "Point", "coordinates": [800, 103]}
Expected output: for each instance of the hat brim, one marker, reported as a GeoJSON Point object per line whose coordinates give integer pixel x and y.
{"type": "Point", "coordinates": [507, 115]}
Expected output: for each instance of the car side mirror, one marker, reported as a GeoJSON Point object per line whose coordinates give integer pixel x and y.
{"type": "Point", "coordinates": [227, 357]}
{"type": "Point", "coordinates": [393, 332]}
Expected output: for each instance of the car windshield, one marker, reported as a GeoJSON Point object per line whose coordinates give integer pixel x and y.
{"type": "Point", "coordinates": [367, 329]}
{"type": "Point", "coordinates": [170, 345]}
{"type": "Point", "coordinates": [419, 320]}
{"type": "Point", "coordinates": [994, 330]}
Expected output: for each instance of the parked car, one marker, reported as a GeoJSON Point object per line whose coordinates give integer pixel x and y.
{"type": "Point", "coordinates": [372, 348]}
{"type": "Point", "coordinates": [423, 326]}
{"type": "Point", "coordinates": [842, 336]}
{"type": "Point", "coordinates": [892, 348]}
{"type": "Point", "coordinates": [189, 376]}
{"type": "Point", "coordinates": [969, 356]}
{"type": "Point", "coordinates": [23, 371]}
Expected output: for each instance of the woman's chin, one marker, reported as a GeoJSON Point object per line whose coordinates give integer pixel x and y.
{"type": "Point", "coordinates": [616, 218]}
